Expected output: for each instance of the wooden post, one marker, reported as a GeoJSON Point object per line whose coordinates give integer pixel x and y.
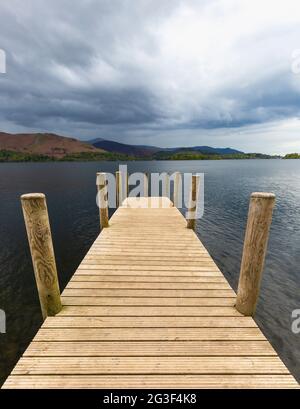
{"type": "Point", "coordinates": [191, 216]}
{"type": "Point", "coordinates": [255, 246]}
{"type": "Point", "coordinates": [40, 242]}
{"type": "Point", "coordinates": [102, 199]}
{"type": "Point", "coordinates": [145, 185]}
{"type": "Point", "coordinates": [118, 179]}
{"type": "Point", "coordinates": [177, 191]}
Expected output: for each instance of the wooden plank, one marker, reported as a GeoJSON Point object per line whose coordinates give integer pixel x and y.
{"type": "Point", "coordinates": [141, 322]}
{"type": "Point", "coordinates": [176, 280]}
{"type": "Point", "coordinates": [150, 348]}
{"type": "Point", "coordinates": [127, 293]}
{"type": "Point", "coordinates": [120, 257]}
{"type": "Point", "coordinates": [102, 270]}
{"type": "Point", "coordinates": [113, 263]}
{"type": "Point", "coordinates": [164, 238]}
{"type": "Point", "coordinates": [148, 334]}
{"type": "Point", "coordinates": [123, 247]}
{"type": "Point", "coordinates": [166, 243]}
{"type": "Point", "coordinates": [211, 381]}
{"type": "Point", "coordinates": [140, 267]}
{"type": "Point", "coordinates": [165, 311]}
{"type": "Point", "coordinates": [114, 249]}
{"type": "Point", "coordinates": [130, 230]}
{"type": "Point", "coordinates": [140, 228]}
{"type": "Point", "coordinates": [147, 285]}
{"type": "Point", "coordinates": [143, 301]}
{"type": "Point", "coordinates": [143, 251]}
{"type": "Point", "coordinates": [149, 365]}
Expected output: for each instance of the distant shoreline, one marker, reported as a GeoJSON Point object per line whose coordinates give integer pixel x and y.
{"type": "Point", "coordinates": [49, 147]}
{"type": "Point", "coordinates": [7, 156]}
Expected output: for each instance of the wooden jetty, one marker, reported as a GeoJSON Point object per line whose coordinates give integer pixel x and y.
{"type": "Point", "coordinates": [149, 308]}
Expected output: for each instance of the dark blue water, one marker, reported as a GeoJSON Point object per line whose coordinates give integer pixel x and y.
{"type": "Point", "coordinates": [70, 190]}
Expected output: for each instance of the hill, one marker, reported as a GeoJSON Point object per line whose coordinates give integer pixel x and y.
{"type": "Point", "coordinates": [44, 144]}
{"type": "Point", "coordinates": [40, 147]}
{"type": "Point", "coordinates": [123, 148]}
{"type": "Point", "coordinates": [156, 152]}
{"type": "Point", "coordinates": [207, 150]}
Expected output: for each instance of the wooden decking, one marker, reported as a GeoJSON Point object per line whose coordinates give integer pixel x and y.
{"type": "Point", "coordinates": [148, 308]}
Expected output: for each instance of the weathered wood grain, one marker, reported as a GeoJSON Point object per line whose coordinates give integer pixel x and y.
{"type": "Point", "coordinates": [148, 308]}
{"type": "Point", "coordinates": [40, 242]}
{"type": "Point", "coordinates": [255, 246]}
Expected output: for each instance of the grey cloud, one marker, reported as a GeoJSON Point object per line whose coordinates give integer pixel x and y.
{"type": "Point", "coordinates": [121, 68]}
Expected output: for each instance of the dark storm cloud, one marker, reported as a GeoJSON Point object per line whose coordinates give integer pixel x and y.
{"type": "Point", "coordinates": [107, 108]}
{"type": "Point", "coordinates": [115, 68]}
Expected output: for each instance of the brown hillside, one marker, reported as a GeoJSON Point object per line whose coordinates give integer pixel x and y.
{"type": "Point", "coordinates": [44, 144]}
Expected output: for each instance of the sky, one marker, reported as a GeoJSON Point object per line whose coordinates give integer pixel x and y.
{"type": "Point", "coordinates": [157, 72]}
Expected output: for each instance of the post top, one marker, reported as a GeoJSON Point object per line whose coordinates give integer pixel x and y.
{"type": "Point", "coordinates": [30, 196]}
{"type": "Point", "coordinates": [263, 195]}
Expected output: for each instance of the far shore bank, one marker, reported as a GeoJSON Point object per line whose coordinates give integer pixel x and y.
{"type": "Point", "coordinates": [14, 156]}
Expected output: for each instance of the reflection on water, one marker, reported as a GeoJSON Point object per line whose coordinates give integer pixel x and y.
{"type": "Point", "coordinates": [70, 190]}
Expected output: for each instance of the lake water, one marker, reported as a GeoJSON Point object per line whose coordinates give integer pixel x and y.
{"type": "Point", "coordinates": [70, 190]}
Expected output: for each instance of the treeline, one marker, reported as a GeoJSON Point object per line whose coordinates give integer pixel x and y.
{"type": "Point", "coordinates": [96, 156]}
{"type": "Point", "coordinates": [12, 156]}
{"type": "Point", "coordinates": [292, 156]}
{"type": "Point", "coordinates": [192, 155]}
